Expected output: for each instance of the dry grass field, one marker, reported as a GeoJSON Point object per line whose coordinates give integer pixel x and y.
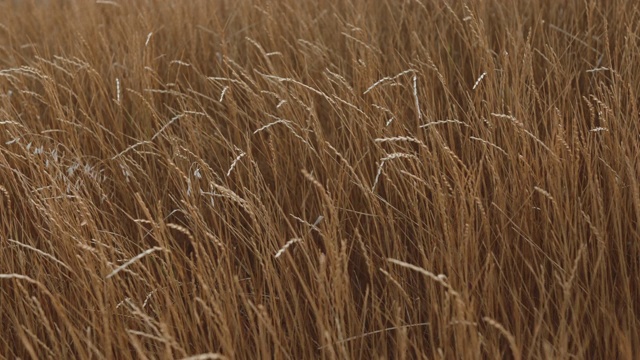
{"type": "Point", "coordinates": [331, 179]}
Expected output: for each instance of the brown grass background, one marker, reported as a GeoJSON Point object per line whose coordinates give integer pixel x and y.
{"type": "Point", "coordinates": [451, 179]}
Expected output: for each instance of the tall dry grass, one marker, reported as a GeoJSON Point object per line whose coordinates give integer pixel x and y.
{"type": "Point", "coordinates": [319, 179]}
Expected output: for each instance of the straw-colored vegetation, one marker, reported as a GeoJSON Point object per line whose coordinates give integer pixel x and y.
{"type": "Point", "coordinates": [300, 179]}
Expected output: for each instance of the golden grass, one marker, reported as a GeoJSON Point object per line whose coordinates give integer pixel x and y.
{"type": "Point", "coordinates": [326, 179]}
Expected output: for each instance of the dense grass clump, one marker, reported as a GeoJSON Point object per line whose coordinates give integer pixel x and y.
{"type": "Point", "coordinates": [299, 179]}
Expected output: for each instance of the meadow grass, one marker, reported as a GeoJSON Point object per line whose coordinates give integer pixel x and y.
{"type": "Point", "coordinates": [319, 179]}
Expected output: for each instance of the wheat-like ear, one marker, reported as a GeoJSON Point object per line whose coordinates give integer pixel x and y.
{"type": "Point", "coordinates": [207, 356]}
{"type": "Point", "coordinates": [479, 80]}
{"type": "Point", "coordinates": [7, 197]}
{"type": "Point", "coordinates": [133, 260]}
{"type": "Point", "coordinates": [181, 229]}
{"type": "Point", "coordinates": [40, 252]}
{"type": "Point", "coordinates": [286, 246]}
{"type": "Point", "coordinates": [515, 351]}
